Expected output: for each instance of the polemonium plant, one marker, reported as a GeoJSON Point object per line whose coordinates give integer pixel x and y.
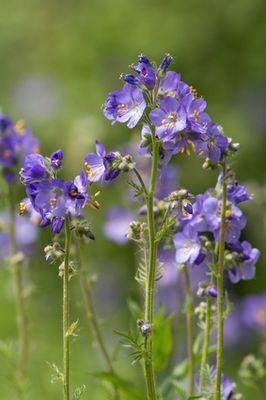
{"type": "Point", "coordinates": [205, 230]}
{"type": "Point", "coordinates": [16, 141]}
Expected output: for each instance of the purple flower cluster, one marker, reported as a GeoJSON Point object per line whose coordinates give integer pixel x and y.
{"type": "Point", "coordinates": [204, 225]}
{"type": "Point", "coordinates": [16, 141]}
{"type": "Point", "coordinates": [177, 114]}
{"type": "Point", "coordinates": [51, 197]}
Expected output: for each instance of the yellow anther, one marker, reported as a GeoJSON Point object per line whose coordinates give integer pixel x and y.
{"type": "Point", "coordinates": [201, 153]}
{"type": "Point", "coordinates": [187, 152]}
{"type": "Point", "coordinates": [53, 201]}
{"type": "Point", "coordinates": [121, 108]}
{"type": "Point", "coordinates": [194, 92]}
{"type": "Point", "coordinates": [73, 192]}
{"type": "Point", "coordinates": [20, 127]}
{"type": "Point", "coordinates": [7, 153]}
{"type": "Point", "coordinates": [35, 221]}
{"type": "Point", "coordinates": [97, 193]}
{"type": "Point", "coordinates": [22, 208]}
{"type": "Point", "coordinates": [183, 150]}
{"type": "Point", "coordinates": [196, 114]}
{"type": "Point", "coordinates": [192, 145]}
{"type": "Point", "coordinates": [228, 213]}
{"type": "Point", "coordinates": [93, 173]}
{"type": "Point", "coordinates": [36, 149]}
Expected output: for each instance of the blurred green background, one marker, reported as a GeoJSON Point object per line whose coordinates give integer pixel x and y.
{"type": "Point", "coordinates": [59, 60]}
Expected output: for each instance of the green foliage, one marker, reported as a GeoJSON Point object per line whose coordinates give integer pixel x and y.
{"type": "Point", "coordinates": [56, 375]}
{"type": "Point", "coordinates": [78, 393]}
{"type": "Point", "coordinates": [228, 305]}
{"type": "Point", "coordinates": [137, 189]}
{"type": "Point", "coordinates": [72, 330]}
{"type": "Point", "coordinates": [122, 384]}
{"type": "Point", "coordinates": [165, 228]}
{"type": "Point", "coordinates": [135, 343]}
{"type": "Point", "coordinates": [163, 340]}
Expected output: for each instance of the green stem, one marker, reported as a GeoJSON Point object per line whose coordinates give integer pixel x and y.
{"type": "Point", "coordinates": [66, 309]}
{"type": "Point", "coordinates": [136, 172]}
{"type": "Point", "coordinates": [20, 302]}
{"type": "Point", "coordinates": [207, 329]}
{"type": "Point", "coordinates": [86, 291]}
{"type": "Point", "coordinates": [190, 332]}
{"type": "Point", "coordinates": [149, 290]}
{"type": "Point", "coordinates": [220, 284]}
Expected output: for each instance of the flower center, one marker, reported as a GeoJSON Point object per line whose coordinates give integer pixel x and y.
{"type": "Point", "coordinates": [170, 121]}
{"type": "Point", "coordinates": [122, 108]}
{"type": "Point", "coordinates": [53, 201]}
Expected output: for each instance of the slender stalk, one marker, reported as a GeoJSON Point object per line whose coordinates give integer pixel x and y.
{"type": "Point", "coordinates": [149, 290]}
{"type": "Point", "coordinates": [190, 332]}
{"type": "Point", "coordinates": [20, 302]}
{"type": "Point", "coordinates": [86, 291]}
{"type": "Point", "coordinates": [220, 284]}
{"type": "Point", "coordinates": [136, 172]}
{"type": "Point", "coordinates": [207, 330]}
{"type": "Point", "coordinates": [66, 310]}
{"type": "Point", "coordinates": [205, 351]}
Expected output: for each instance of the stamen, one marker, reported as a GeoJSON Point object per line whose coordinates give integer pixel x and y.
{"type": "Point", "coordinates": [22, 208]}
{"type": "Point", "coordinates": [20, 127]}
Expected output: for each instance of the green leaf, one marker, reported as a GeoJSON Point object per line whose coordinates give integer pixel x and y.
{"type": "Point", "coordinates": [57, 375]}
{"type": "Point", "coordinates": [72, 330]}
{"type": "Point", "coordinates": [78, 392]}
{"type": "Point", "coordinates": [165, 228]}
{"type": "Point", "coordinates": [122, 384]}
{"type": "Point", "coordinates": [163, 341]}
{"type": "Point", "coordinates": [138, 189]}
{"type": "Point", "coordinates": [228, 305]}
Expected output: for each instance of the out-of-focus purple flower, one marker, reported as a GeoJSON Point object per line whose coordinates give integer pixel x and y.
{"type": "Point", "coordinates": [5, 123]}
{"type": "Point", "coordinates": [7, 152]}
{"type": "Point", "coordinates": [242, 265]}
{"type": "Point", "coordinates": [146, 72]}
{"type": "Point", "coordinates": [126, 105]}
{"type": "Point", "coordinates": [187, 246]}
{"type": "Point", "coordinates": [167, 181]}
{"type": "Point", "coordinates": [117, 224]}
{"type": "Point", "coordinates": [254, 311]}
{"type": "Point", "coordinates": [227, 385]}
{"type": "Point", "coordinates": [56, 159]}
{"type": "Point", "coordinates": [169, 119]}
{"type": "Point", "coordinates": [34, 168]}
{"type": "Point", "coordinates": [98, 165]}
{"type": "Point", "coordinates": [26, 234]}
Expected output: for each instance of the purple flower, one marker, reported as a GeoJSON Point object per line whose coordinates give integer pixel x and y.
{"type": "Point", "coordinates": [56, 159]}
{"type": "Point", "coordinates": [212, 144]}
{"type": "Point", "coordinates": [187, 246]}
{"type": "Point", "coordinates": [254, 311]}
{"type": "Point", "coordinates": [227, 385]}
{"type": "Point", "coordinates": [237, 193]}
{"type": "Point", "coordinates": [172, 86]}
{"type": "Point", "coordinates": [34, 168]}
{"type": "Point", "coordinates": [243, 265]}
{"type": "Point", "coordinates": [130, 78]}
{"type": "Point", "coordinates": [146, 72]}
{"type": "Point", "coordinates": [235, 220]}
{"type": "Point", "coordinates": [167, 181]}
{"type": "Point", "coordinates": [98, 166]}
{"type": "Point", "coordinates": [26, 235]}
{"type": "Point", "coordinates": [7, 152]}
{"type": "Point", "coordinates": [197, 119]}
{"type": "Point", "coordinates": [117, 224]}
{"type": "Point", "coordinates": [166, 62]}
{"type": "Point", "coordinates": [50, 198]}
{"type": "Point", "coordinates": [5, 123]}
{"type": "Point", "coordinates": [76, 194]}
{"type": "Point", "coordinates": [169, 119]}
{"type": "Point", "coordinates": [126, 105]}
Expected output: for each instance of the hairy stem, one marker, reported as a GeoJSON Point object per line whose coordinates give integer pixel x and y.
{"type": "Point", "coordinates": [86, 291]}
{"type": "Point", "coordinates": [190, 331]}
{"type": "Point", "coordinates": [20, 302]}
{"type": "Point", "coordinates": [207, 329]}
{"type": "Point", "coordinates": [149, 290]}
{"type": "Point", "coordinates": [220, 284]}
{"type": "Point", "coordinates": [66, 309]}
